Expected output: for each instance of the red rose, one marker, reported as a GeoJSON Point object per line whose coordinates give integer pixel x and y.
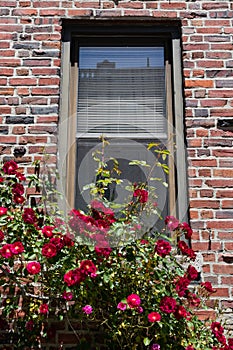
{"type": "Point", "coordinates": [10, 167]}
{"type": "Point", "coordinates": [33, 267]}
{"type": "Point", "coordinates": [20, 176]}
{"type": "Point", "coordinates": [162, 248]}
{"type": "Point", "coordinates": [17, 248]}
{"type": "Point", "coordinates": [44, 309]}
{"type": "Point", "coordinates": [133, 300]}
{"type": "Point", "coordinates": [103, 250]}
{"type": "Point", "coordinates": [182, 285]}
{"type": "Point", "coordinates": [49, 250]}
{"type": "Point", "coordinates": [29, 325]}
{"type": "Point", "coordinates": [3, 211]}
{"type": "Point", "coordinates": [154, 317]}
{"type": "Point", "coordinates": [217, 329]}
{"type": "Point", "coordinates": [87, 267]}
{"type": "Point", "coordinates": [73, 277]}
{"type": "Point", "coordinates": [193, 300]}
{"type": "Point", "coordinates": [18, 199]}
{"type": "Point", "coordinates": [168, 305]}
{"type": "Point", "coordinates": [48, 231]}
{"type": "Point", "coordinates": [6, 252]}
{"type": "Point", "coordinates": [18, 189]}
{"type": "Point", "coordinates": [192, 273]}
{"type": "Point", "coordinates": [186, 229]}
{"type": "Point", "coordinates": [180, 312]}
{"type": "Point", "coordinates": [29, 216]}
{"type": "Point", "coordinates": [58, 242]}
{"type": "Point", "coordinates": [185, 250]}
{"type": "Point", "coordinates": [208, 287]}
{"type": "Point", "coordinates": [1, 236]}
{"type": "Point", "coordinates": [68, 240]}
{"type": "Point", "coordinates": [142, 194]}
{"type": "Point", "coordinates": [67, 295]}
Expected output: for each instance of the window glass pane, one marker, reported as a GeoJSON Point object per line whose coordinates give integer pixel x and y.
{"type": "Point", "coordinates": [121, 95]}
{"type": "Point", "coordinates": [121, 91]}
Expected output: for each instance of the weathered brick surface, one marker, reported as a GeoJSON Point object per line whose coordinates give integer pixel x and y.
{"type": "Point", "coordinates": [30, 45]}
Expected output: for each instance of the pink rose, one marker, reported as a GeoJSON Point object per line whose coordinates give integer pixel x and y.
{"type": "Point", "coordinates": [3, 211]}
{"type": "Point", "coordinates": [133, 300]}
{"type": "Point", "coordinates": [154, 317]}
{"type": "Point", "coordinates": [87, 309]}
{"type": "Point", "coordinates": [122, 306]}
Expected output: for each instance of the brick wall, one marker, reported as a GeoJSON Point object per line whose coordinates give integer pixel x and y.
{"type": "Point", "coordinates": [30, 59]}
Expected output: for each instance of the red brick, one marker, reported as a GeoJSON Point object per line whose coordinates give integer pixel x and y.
{"type": "Point", "coordinates": [196, 47]}
{"type": "Point", "coordinates": [95, 4]}
{"type": "Point", "coordinates": [206, 193]}
{"type": "Point", "coordinates": [132, 4]}
{"type": "Point", "coordinates": [5, 110]}
{"type": "Point", "coordinates": [222, 292]}
{"type": "Point", "coordinates": [207, 214]}
{"type": "Point", "coordinates": [220, 224]}
{"type": "Point", "coordinates": [45, 91]}
{"type": "Point", "coordinates": [203, 203]}
{"type": "Point", "coordinates": [217, 23]}
{"type": "Point", "coordinates": [45, 4]}
{"type": "Point", "coordinates": [33, 139]}
{"type": "Point", "coordinates": [220, 93]}
{"type": "Point", "coordinates": [23, 81]}
{"type": "Point", "coordinates": [219, 183]}
{"type": "Point", "coordinates": [204, 172]}
{"type": "Point", "coordinates": [194, 214]}
{"type": "Point", "coordinates": [221, 46]}
{"type": "Point", "coordinates": [23, 91]}
{"type": "Point", "coordinates": [223, 173]}
{"type": "Point", "coordinates": [224, 194]}
{"type": "Point", "coordinates": [49, 81]}
{"type": "Point", "coordinates": [6, 91]}
{"type": "Point", "coordinates": [44, 71]}
{"type": "Point", "coordinates": [192, 83]}
{"type": "Point", "coordinates": [36, 62]}
{"type": "Point", "coordinates": [224, 214]}
{"type": "Point", "coordinates": [226, 163]}
{"type": "Point", "coordinates": [204, 162]}
{"type": "Point", "coordinates": [47, 119]}
{"type": "Point", "coordinates": [52, 12]}
{"type": "Point", "coordinates": [223, 269]}
{"type": "Point", "coordinates": [10, 62]}
{"type": "Point", "coordinates": [161, 14]}
{"type": "Point", "coordinates": [19, 129]}
{"type": "Point", "coordinates": [7, 139]}
{"type": "Point", "coordinates": [11, 27]}
{"type": "Point", "coordinates": [25, 12]}
{"type": "Point", "coordinates": [42, 149]}
{"type": "Point", "coordinates": [74, 12]}
{"type": "Point", "coordinates": [213, 103]}
{"type": "Point", "coordinates": [176, 5]}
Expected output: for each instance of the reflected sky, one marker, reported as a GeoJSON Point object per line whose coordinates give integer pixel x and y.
{"type": "Point", "coordinates": [124, 57]}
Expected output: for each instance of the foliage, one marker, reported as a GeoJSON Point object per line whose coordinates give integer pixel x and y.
{"type": "Point", "coordinates": [101, 267]}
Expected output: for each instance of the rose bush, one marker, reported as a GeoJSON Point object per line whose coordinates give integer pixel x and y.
{"type": "Point", "coordinates": [99, 267]}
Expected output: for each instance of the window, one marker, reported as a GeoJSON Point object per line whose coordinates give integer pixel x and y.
{"type": "Point", "coordinates": [122, 80]}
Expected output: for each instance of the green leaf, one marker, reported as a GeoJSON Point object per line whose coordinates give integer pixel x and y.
{"type": "Point", "coordinates": [139, 162]}
{"type": "Point", "coordinates": [146, 341]}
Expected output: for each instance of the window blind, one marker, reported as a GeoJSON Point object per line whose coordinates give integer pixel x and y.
{"type": "Point", "coordinates": [121, 92]}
